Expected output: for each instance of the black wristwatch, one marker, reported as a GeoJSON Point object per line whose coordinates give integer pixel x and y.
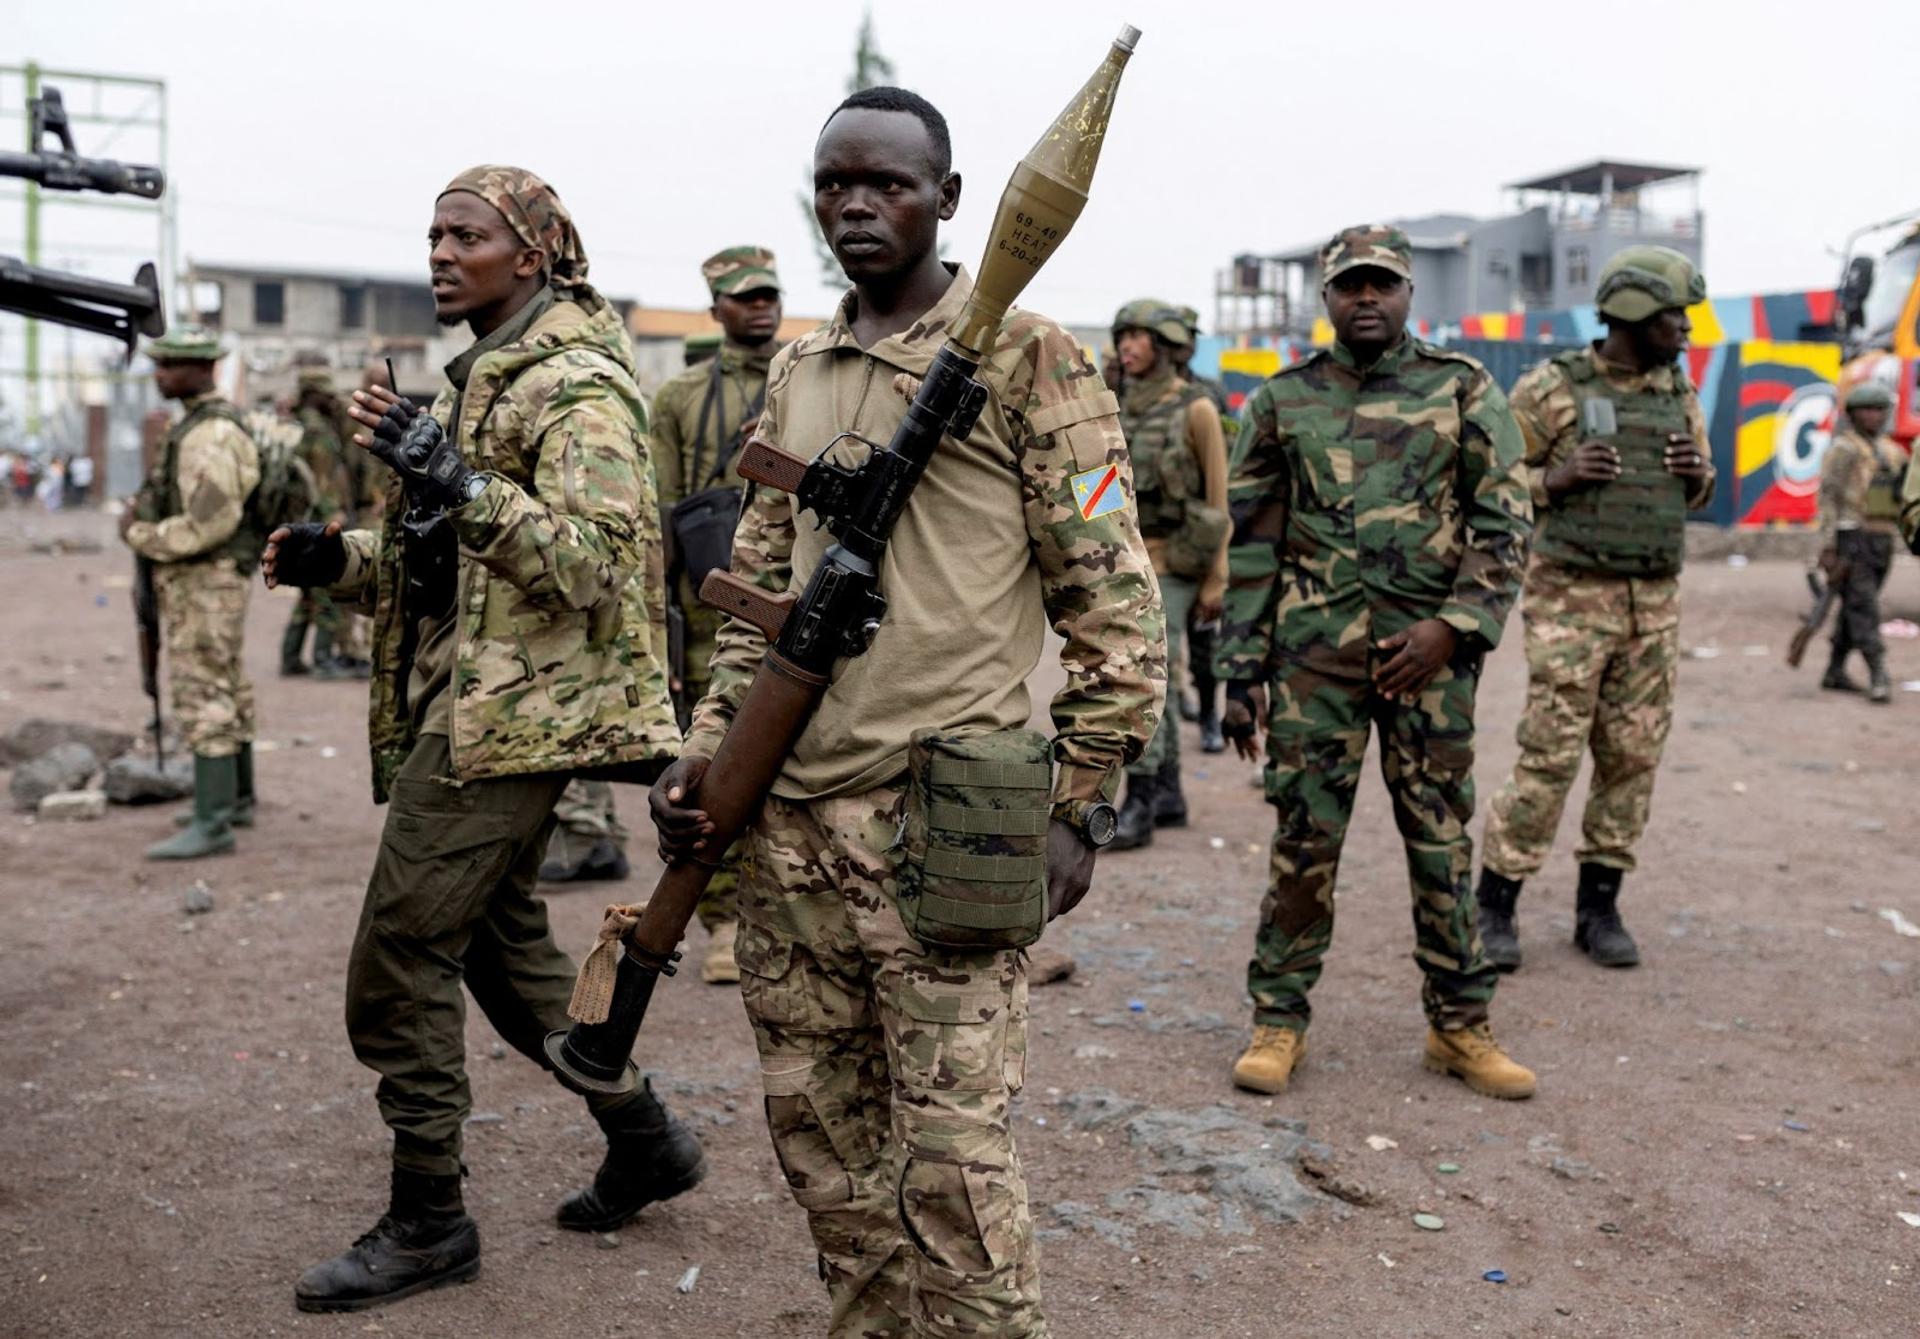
{"type": "Point", "coordinates": [1095, 820]}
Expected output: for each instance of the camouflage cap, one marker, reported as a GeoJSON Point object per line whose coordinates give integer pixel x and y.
{"type": "Point", "coordinates": [534, 212]}
{"type": "Point", "coordinates": [1151, 314]}
{"type": "Point", "coordinates": [1641, 280]}
{"type": "Point", "coordinates": [1868, 395]}
{"type": "Point", "coordinates": [739, 269]}
{"type": "Point", "coordinates": [186, 344]}
{"type": "Point", "coordinates": [1376, 244]}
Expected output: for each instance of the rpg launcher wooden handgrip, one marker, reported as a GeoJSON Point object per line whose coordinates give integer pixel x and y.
{"type": "Point", "coordinates": [764, 463]}
{"type": "Point", "coordinates": [744, 600]}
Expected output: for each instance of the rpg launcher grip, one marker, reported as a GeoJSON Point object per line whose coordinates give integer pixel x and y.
{"type": "Point", "coordinates": [841, 609]}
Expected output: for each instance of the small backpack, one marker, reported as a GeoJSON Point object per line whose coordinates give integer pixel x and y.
{"type": "Point", "coordinates": [286, 493]}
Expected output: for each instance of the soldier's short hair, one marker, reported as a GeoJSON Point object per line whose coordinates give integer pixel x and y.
{"type": "Point", "coordinates": [887, 98]}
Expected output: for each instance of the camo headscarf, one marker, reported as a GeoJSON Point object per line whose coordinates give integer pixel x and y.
{"type": "Point", "coordinates": [534, 212]}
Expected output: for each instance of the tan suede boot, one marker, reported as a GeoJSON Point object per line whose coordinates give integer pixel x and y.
{"type": "Point", "coordinates": [718, 968]}
{"type": "Point", "coordinates": [1268, 1061]}
{"type": "Point", "coordinates": [1474, 1057]}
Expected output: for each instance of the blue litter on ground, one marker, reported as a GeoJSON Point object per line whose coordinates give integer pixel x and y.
{"type": "Point", "coordinates": [1495, 1276]}
{"type": "Point", "coordinates": [1799, 1125]}
{"type": "Point", "coordinates": [100, 601]}
{"type": "Point", "coordinates": [1136, 1006]}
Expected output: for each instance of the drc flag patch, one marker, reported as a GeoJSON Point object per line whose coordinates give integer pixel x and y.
{"type": "Point", "coordinates": [1098, 492]}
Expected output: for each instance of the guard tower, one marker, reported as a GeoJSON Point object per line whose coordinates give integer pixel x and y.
{"type": "Point", "coordinates": [1588, 213]}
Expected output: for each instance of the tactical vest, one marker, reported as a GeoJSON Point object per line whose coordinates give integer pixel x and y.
{"type": "Point", "coordinates": [1165, 474]}
{"type": "Point", "coordinates": [1636, 525]}
{"type": "Point", "coordinates": [1882, 504]}
{"type": "Point", "coordinates": [162, 496]}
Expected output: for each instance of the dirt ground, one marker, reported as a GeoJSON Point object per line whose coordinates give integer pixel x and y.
{"type": "Point", "coordinates": [1721, 1145]}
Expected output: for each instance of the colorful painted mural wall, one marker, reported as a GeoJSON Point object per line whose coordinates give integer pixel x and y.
{"type": "Point", "coordinates": [1768, 394]}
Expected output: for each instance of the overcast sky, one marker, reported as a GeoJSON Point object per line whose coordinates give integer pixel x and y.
{"type": "Point", "coordinates": [319, 137]}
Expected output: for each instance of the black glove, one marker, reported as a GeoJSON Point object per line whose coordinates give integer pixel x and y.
{"type": "Point", "coordinates": [1239, 725]}
{"type": "Point", "coordinates": [414, 446]}
{"type": "Point", "coordinates": [309, 556]}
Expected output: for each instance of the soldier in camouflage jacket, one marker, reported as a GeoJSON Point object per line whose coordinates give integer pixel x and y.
{"type": "Point", "coordinates": [1382, 522]}
{"type": "Point", "coordinates": [516, 589]}
{"type": "Point", "coordinates": [1601, 604]}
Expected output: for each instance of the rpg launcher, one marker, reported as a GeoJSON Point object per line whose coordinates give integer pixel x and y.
{"type": "Point", "coordinates": [842, 608]}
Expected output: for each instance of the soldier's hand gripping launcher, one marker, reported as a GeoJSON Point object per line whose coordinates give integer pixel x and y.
{"type": "Point", "coordinates": [842, 608]}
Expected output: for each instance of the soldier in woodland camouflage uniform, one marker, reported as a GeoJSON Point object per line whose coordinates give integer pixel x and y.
{"type": "Point", "coordinates": [1179, 459]}
{"type": "Point", "coordinates": [318, 413]}
{"type": "Point", "coordinates": [516, 588]}
{"type": "Point", "coordinates": [1602, 594]}
{"type": "Point", "coordinates": [1377, 491]}
{"type": "Point", "coordinates": [888, 1065]}
{"type": "Point", "coordinates": [190, 520]}
{"type": "Point", "coordinates": [1860, 483]}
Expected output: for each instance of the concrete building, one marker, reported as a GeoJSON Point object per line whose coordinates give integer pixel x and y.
{"type": "Point", "coordinates": [1543, 256]}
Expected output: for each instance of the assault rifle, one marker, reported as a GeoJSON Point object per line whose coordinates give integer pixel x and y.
{"type": "Point", "coordinates": [124, 311]}
{"type": "Point", "coordinates": [146, 614]}
{"type": "Point", "coordinates": [842, 608]}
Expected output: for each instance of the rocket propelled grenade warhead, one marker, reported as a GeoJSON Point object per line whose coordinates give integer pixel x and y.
{"type": "Point", "coordinates": [1042, 201]}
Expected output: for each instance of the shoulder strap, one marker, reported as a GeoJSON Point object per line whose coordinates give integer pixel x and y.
{"type": "Point", "coordinates": [706, 415]}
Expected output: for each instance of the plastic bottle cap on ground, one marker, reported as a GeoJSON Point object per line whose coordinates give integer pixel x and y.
{"type": "Point", "coordinates": [1432, 1222]}
{"type": "Point", "coordinates": [1495, 1276]}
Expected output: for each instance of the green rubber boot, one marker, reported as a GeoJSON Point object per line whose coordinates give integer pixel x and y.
{"type": "Point", "coordinates": [291, 642]}
{"type": "Point", "coordinates": [215, 792]}
{"type": "Point", "coordinates": [243, 794]}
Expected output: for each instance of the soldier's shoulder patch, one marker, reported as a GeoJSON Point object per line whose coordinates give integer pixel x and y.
{"type": "Point", "coordinates": [1099, 492]}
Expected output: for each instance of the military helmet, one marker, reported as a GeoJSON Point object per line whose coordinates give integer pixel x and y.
{"type": "Point", "coordinates": [1868, 395]}
{"type": "Point", "coordinates": [1641, 280]}
{"type": "Point", "coordinates": [1156, 317]}
{"type": "Point", "coordinates": [314, 379]}
{"type": "Point", "coordinates": [186, 344]}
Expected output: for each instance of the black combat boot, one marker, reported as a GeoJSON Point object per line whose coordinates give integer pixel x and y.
{"type": "Point", "coordinates": [575, 857]}
{"type": "Point", "coordinates": [1879, 686]}
{"type": "Point", "coordinates": [650, 1157]}
{"type": "Point", "coordinates": [291, 641]}
{"type": "Point", "coordinates": [1135, 828]}
{"type": "Point", "coordinates": [423, 1240]}
{"type": "Point", "coordinates": [1597, 930]}
{"type": "Point", "coordinates": [1169, 805]}
{"type": "Point", "coordinates": [1498, 934]}
{"type": "Point", "coordinates": [1835, 680]}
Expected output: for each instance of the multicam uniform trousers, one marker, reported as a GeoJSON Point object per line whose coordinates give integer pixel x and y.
{"type": "Point", "coordinates": [1602, 655]}
{"type": "Point", "coordinates": [1317, 731]}
{"type": "Point", "coordinates": [888, 1069]}
{"type": "Point", "coordinates": [203, 612]}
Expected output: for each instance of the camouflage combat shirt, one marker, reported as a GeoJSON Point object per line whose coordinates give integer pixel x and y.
{"type": "Point", "coordinates": [1365, 500]}
{"type": "Point", "coordinates": [1858, 482]}
{"type": "Point", "coordinates": [216, 467]}
{"type": "Point", "coordinates": [995, 543]}
{"type": "Point", "coordinates": [559, 657]}
{"type": "Point", "coordinates": [676, 421]}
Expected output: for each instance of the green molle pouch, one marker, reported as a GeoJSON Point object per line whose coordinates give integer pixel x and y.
{"type": "Point", "coordinates": [1192, 548]}
{"type": "Point", "coordinates": [973, 839]}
